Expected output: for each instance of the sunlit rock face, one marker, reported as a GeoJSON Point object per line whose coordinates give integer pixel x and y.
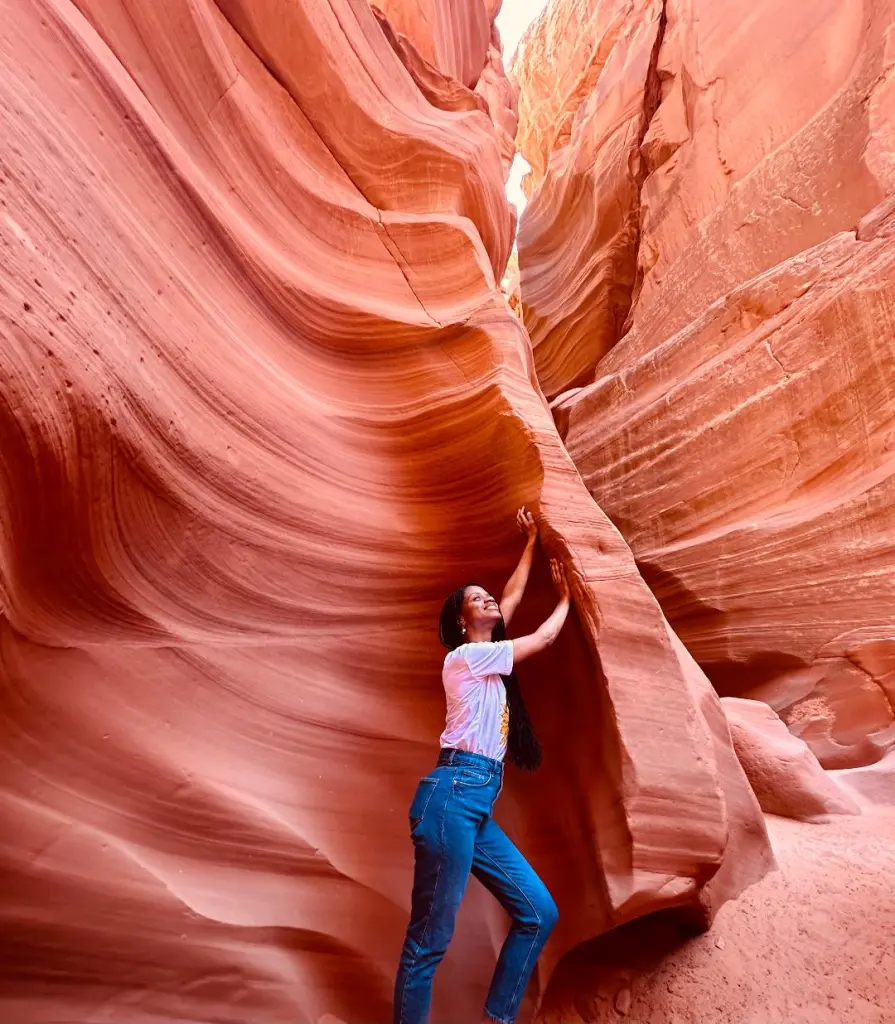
{"type": "Point", "coordinates": [452, 35]}
{"type": "Point", "coordinates": [736, 423]}
{"type": "Point", "coordinates": [263, 405]}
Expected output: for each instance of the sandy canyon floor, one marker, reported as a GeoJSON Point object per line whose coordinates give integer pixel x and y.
{"type": "Point", "coordinates": [812, 943]}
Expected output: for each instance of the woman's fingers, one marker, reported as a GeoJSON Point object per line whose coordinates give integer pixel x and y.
{"type": "Point", "coordinates": [526, 521]}
{"type": "Point", "coordinates": [558, 572]}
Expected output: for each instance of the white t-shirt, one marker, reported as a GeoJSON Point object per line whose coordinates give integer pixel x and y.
{"type": "Point", "coordinates": [478, 719]}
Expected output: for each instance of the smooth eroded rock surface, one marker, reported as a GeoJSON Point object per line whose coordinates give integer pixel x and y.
{"type": "Point", "coordinates": [644, 216]}
{"type": "Point", "coordinates": [747, 461]}
{"type": "Point", "coordinates": [452, 35]}
{"type": "Point", "coordinates": [262, 406]}
{"type": "Point", "coordinates": [775, 131]}
{"type": "Point", "coordinates": [455, 49]}
{"type": "Point", "coordinates": [784, 774]}
{"type": "Point", "coordinates": [581, 130]}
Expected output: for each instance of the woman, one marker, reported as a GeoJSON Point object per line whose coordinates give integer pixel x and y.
{"type": "Point", "coordinates": [450, 817]}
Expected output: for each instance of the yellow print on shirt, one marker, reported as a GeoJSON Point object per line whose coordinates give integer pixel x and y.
{"type": "Point", "coordinates": [504, 722]}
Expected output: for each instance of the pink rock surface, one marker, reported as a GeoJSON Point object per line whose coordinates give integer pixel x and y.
{"type": "Point", "coordinates": [873, 786]}
{"type": "Point", "coordinates": [262, 405]}
{"type": "Point", "coordinates": [748, 463]}
{"type": "Point", "coordinates": [842, 704]}
{"type": "Point", "coordinates": [452, 35]}
{"type": "Point", "coordinates": [785, 776]}
{"type": "Point", "coordinates": [501, 99]}
{"type": "Point", "coordinates": [557, 64]}
{"type": "Point", "coordinates": [442, 78]}
{"type": "Point", "coordinates": [775, 132]}
{"type": "Point", "coordinates": [739, 432]}
{"type": "Point", "coordinates": [721, 183]}
{"type": "Point", "coordinates": [578, 239]}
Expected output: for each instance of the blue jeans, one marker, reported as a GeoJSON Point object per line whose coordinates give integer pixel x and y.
{"type": "Point", "coordinates": [454, 834]}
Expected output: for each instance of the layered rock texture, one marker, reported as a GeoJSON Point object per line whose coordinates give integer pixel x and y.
{"type": "Point", "coordinates": [458, 42]}
{"type": "Point", "coordinates": [728, 395]}
{"type": "Point", "coordinates": [581, 131]}
{"type": "Point", "coordinates": [263, 405]}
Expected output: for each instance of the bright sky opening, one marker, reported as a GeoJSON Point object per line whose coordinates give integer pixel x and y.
{"type": "Point", "coordinates": [514, 18]}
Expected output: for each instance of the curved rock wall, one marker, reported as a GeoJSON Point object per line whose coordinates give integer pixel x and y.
{"type": "Point", "coordinates": [262, 406]}
{"type": "Point", "coordinates": [558, 61]}
{"type": "Point", "coordinates": [581, 130]}
{"type": "Point", "coordinates": [740, 432]}
{"type": "Point", "coordinates": [459, 44]}
{"type": "Point", "coordinates": [452, 35]}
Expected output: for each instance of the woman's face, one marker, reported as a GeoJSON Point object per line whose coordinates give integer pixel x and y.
{"type": "Point", "coordinates": [479, 608]}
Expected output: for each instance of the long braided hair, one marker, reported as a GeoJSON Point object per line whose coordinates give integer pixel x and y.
{"type": "Point", "coordinates": [523, 748]}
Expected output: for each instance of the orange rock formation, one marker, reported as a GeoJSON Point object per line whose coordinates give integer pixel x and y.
{"type": "Point", "coordinates": [578, 239]}
{"type": "Point", "coordinates": [452, 35]}
{"type": "Point", "coordinates": [453, 49]}
{"type": "Point", "coordinates": [810, 944]}
{"type": "Point", "coordinates": [262, 405]}
{"type": "Point", "coordinates": [737, 428]}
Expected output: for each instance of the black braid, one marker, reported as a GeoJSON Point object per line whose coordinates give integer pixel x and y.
{"type": "Point", "coordinates": [523, 749]}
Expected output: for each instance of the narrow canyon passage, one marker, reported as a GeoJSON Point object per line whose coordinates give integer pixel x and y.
{"type": "Point", "coordinates": [263, 404]}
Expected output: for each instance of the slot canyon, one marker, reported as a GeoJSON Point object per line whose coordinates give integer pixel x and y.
{"type": "Point", "coordinates": [279, 364]}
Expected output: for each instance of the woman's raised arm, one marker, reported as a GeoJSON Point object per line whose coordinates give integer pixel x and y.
{"type": "Point", "coordinates": [515, 588]}
{"type": "Point", "coordinates": [548, 631]}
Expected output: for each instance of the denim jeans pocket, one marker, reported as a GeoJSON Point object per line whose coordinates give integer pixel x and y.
{"type": "Point", "coordinates": [472, 777]}
{"type": "Point", "coordinates": [424, 791]}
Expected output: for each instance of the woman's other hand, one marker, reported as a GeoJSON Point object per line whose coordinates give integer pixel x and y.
{"type": "Point", "coordinates": [558, 572]}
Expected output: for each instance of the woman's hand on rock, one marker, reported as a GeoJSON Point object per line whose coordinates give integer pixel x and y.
{"type": "Point", "coordinates": [558, 572]}
{"type": "Point", "coordinates": [527, 523]}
